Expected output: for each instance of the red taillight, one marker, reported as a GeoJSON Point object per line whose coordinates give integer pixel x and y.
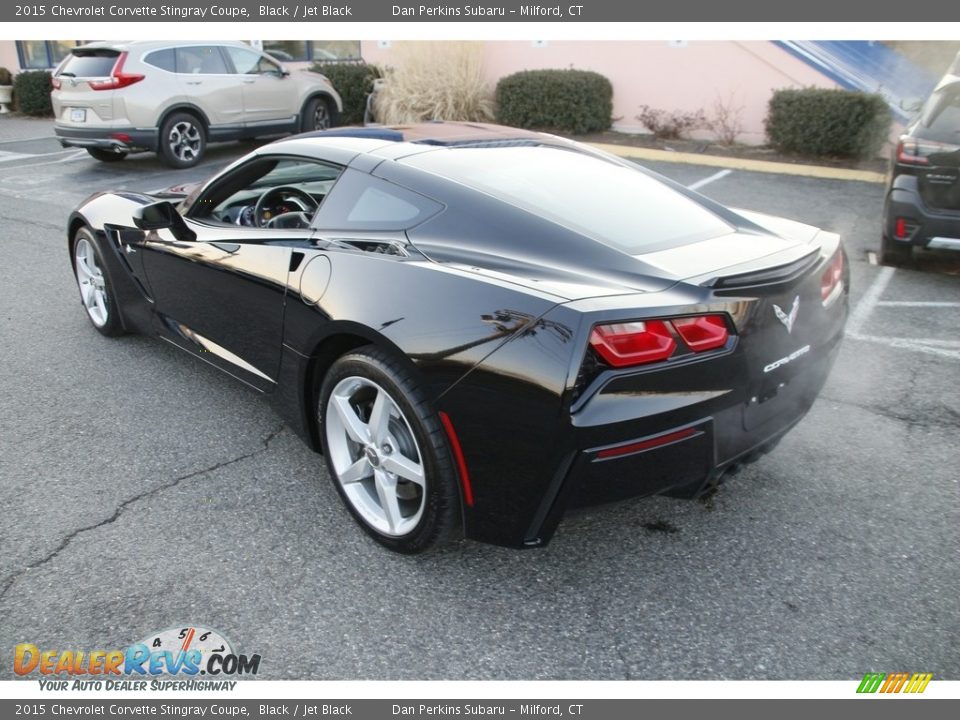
{"type": "Point", "coordinates": [832, 277]}
{"type": "Point", "coordinates": [706, 332]}
{"type": "Point", "coordinates": [639, 343]}
{"type": "Point", "coordinates": [900, 228]}
{"type": "Point", "coordinates": [633, 343]}
{"type": "Point", "coordinates": [118, 78]}
{"type": "Point", "coordinates": [911, 151]}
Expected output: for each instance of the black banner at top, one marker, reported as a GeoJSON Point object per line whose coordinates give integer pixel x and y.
{"type": "Point", "coordinates": [481, 11]}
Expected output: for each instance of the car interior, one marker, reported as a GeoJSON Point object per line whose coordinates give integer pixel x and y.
{"type": "Point", "coordinates": [268, 193]}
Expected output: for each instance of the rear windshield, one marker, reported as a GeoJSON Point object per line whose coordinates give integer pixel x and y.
{"type": "Point", "coordinates": [89, 63]}
{"type": "Point", "coordinates": [616, 205]}
{"type": "Point", "coordinates": [940, 118]}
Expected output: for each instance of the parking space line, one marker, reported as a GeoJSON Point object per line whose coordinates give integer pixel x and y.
{"type": "Point", "coordinates": [861, 313]}
{"type": "Point", "coordinates": [707, 180]}
{"type": "Point", "coordinates": [74, 154]}
{"type": "Point", "coordinates": [6, 156]}
{"type": "Point", "coordinates": [930, 347]}
{"type": "Point", "coordinates": [917, 303]}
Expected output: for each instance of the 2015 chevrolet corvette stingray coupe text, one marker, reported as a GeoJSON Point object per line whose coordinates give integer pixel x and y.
{"type": "Point", "coordinates": [479, 327]}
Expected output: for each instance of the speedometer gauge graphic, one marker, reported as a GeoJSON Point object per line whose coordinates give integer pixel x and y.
{"type": "Point", "coordinates": [194, 641]}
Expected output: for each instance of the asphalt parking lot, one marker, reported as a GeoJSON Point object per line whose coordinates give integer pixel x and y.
{"type": "Point", "coordinates": [140, 489]}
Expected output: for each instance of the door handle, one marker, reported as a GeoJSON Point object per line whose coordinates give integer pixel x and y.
{"type": "Point", "coordinates": [249, 82]}
{"type": "Point", "coordinates": [194, 82]}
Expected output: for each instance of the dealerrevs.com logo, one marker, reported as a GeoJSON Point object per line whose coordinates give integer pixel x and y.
{"type": "Point", "coordinates": [173, 659]}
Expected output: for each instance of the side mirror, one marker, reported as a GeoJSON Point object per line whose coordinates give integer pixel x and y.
{"type": "Point", "coordinates": [163, 215]}
{"type": "Point", "coordinates": [283, 71]}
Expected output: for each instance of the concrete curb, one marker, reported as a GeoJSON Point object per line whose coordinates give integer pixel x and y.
{"type": "Point", "coordinates": [779, 168]}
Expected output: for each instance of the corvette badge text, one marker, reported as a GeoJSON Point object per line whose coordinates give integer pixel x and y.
{"type": "Point", "coordinates": [173, 659]}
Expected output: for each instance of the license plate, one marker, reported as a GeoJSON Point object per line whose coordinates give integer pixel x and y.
{"type": "Point", "coordinates": [78, 115]}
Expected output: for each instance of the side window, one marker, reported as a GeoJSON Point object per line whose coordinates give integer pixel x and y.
{"type": "Point", "coordinates": [363, 202]}
{"type": "Point", "coordinates": [200, 60]}
{"type": "Point", "coordinates": [267, 192]}
{"type": "Point", "coordinates": [248, 62]}
{"type": "Point", "coordinates": [163, 59]}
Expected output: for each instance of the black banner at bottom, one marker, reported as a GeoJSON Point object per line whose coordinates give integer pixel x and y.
{"type": "Point", "coordinates": [874, 708]}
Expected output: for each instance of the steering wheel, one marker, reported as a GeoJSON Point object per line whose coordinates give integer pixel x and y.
{"type": "Point", "coordinates": [277, 194]}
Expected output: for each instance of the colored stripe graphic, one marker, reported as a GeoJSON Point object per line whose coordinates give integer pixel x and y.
{"type": "Point", "coordinates": [894, 682]}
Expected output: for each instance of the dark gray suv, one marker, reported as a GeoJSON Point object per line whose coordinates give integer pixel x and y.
{"type": "Point", "coordinates": [922, 207]}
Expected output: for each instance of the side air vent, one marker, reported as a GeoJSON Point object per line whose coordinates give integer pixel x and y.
{"type": "Point", "coordinates": [379, 247]}
{"type": "Point", "coordinates": [768, 276]}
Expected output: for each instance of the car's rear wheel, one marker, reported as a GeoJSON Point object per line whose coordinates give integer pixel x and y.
{"type": "Point", "coordinates": [387, 452]}
{"type": "Point", "coordinates": [183, 140]}
{"type": "Point", "coordinates": [894, 253]}
{"type": "Point", "coordinates": [106, 155]}
{"type": "Point", "coordinates": [318, 114]}
{"type": "Point", "coordinates": [96, 295]}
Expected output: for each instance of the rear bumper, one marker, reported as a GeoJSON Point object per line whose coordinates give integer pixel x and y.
{"type": "Point", "coordinates": [118, 139]}
{"type": "Point", "coordinates": [681, 459]}
{"type": "Point", "coordinates": [926, 227]}
{"type": "Point", "coordinates": [628, 433]}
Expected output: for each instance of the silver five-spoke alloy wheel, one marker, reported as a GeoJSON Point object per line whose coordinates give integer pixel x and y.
{"type": "Point", "coordinates": [375, 456]}
{"type": "Point", "coordinates": [184, 140]}
{"type": "Point", "coordinates": [93, 289]}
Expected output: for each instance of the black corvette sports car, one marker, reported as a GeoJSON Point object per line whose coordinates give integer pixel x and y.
{"type": "Point", "coordinates": [479, 327]}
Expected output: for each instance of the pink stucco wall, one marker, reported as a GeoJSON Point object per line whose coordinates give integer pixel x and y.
{"type": "Point", "coordinates": [8, 56]}
{"type": "Point", "coordinates": [671, 76]}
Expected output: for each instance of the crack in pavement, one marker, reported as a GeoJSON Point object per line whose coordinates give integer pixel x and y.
{"type": "Point", "coordinates": [65, 542]}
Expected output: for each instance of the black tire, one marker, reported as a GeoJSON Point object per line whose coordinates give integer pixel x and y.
{"type": "Point", "coordinates": [182, 141]}
{"type": "Point", "coordinates": [440, 521]}
{"type": "Point", "coordinates": [112, 325]}
{"type": "Point", "coordinates": [318, 114]}
{"type": "Point", "coordinates": [894, 253]}
{"type": "Point", "coordinates": [106, 155]}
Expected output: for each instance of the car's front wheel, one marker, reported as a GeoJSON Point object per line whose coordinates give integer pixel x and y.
{"type": "Point", "coordinates": [96, 295]}
{"type": "Point", "coordinates": [106, 155]}
{"type": "Point", "coordinates": [387, 452]}
{"type": "Point", "coordinates": [183, 140]}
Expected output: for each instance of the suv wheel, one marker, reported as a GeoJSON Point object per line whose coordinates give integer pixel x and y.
{"type": "Point", "coordinates": [318, 114]}
{"type": "Point", "coordinates": [182, 141]}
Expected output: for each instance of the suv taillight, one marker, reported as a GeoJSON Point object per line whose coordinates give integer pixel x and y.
{"type": "Point", "coordinates": [642, 342]}
{"type": "Point", "coordinates": [831, 282]}
{"type": "Point", "coordinates": [118, 78]}
{"type": "Point", "coordinates": [911, 151]}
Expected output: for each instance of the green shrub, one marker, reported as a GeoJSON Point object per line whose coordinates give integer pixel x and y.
{"type": "Point", "coordinates": [31, 93]}
{"type": "Point", "coordinates": [821, 122]}
{"type": "Point", "coordinates": [353, 81]}
{"type": "Point", "coordinates": [575, 101]}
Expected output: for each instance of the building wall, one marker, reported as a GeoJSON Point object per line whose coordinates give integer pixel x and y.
{"type": "Point", "coordinates": [8, 56]}
{"type": "Point", "coordinates": [671, 76]}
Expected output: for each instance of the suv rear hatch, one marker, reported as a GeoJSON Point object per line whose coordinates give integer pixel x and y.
{"type": "Point", "coordinates": [84, 85]}
{"type": "Point", "coordinates": [933, 147]}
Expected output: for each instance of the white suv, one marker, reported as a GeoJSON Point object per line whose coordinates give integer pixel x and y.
{"type": "Point", "coordinates": [113, 98]}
